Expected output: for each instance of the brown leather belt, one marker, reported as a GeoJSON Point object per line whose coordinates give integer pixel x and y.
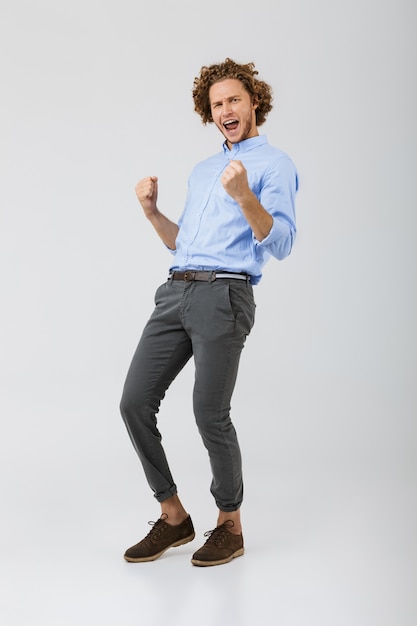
{"type": "Point", "coordinates": [191, 275]}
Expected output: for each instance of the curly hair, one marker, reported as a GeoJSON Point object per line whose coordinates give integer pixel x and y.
{"type": "Point", "coordinates": [259, 91]}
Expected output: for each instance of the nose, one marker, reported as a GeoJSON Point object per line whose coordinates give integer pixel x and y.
{"type": "Point", "coordinates": [227, 107]}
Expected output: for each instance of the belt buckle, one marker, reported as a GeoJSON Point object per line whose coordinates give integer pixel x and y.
{"type": "Point", "coordinates": [189, 276]}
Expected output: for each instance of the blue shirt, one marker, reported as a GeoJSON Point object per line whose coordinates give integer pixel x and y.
{"type": "Point", "coordinates": [214, 234]}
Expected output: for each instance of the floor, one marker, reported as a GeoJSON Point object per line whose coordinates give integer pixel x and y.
{"type": "Point", "coordinates": [327, 551]}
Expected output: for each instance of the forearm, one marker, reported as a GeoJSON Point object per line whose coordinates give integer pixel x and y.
{"type": "Point", "coordinates": [165, 229]}
{"type": "Point", "coordinates": [257, 217]}
{"type": "Point", "coordinates": [235, 182]}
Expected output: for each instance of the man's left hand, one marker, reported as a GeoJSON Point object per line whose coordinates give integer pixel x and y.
{"type": "Point", "coordinates": [235, 180]}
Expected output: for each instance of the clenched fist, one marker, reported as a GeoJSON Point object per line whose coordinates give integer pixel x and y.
{"type": "Point", "coordinates": [235, 180]}
{"type": "Point", "coordinates": [147, 194]}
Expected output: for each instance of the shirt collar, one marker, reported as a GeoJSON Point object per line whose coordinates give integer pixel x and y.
{"type": "Point", "coordinates": [245, 146]}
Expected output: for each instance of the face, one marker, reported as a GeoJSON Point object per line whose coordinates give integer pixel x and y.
{"type": "Point", "coordinates": [233, 110]}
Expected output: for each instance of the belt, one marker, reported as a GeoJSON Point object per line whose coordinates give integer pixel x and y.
{"type": "Point", "coordinates": [191, 275]}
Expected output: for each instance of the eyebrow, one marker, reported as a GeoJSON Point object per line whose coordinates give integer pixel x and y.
{"type": "Point", "coordinates": [229, 98]}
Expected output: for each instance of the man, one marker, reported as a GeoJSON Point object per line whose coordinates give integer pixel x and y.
{"type": "Point", "coordinates": [239, 211]}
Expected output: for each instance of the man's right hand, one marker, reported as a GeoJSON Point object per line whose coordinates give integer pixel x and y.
{"type": "Point", "coordinates": [147, 194]}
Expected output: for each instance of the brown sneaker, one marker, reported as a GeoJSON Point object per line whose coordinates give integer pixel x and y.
{"type": "Point", "coordinates": [161, 537]}
{"type": "Point", "coordinates": [221, 546]}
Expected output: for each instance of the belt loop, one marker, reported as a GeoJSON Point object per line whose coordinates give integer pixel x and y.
{"type": "Point", "coordinates": [171, 277]}
{"type": "Point", "coordinates": [212, 277]}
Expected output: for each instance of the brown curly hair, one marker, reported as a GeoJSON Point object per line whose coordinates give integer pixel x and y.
{"type": "Point", "coordinates": [259, 91]}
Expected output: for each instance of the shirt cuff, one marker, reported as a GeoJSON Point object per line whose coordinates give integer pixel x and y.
{"type": "Point", "coordinates": [277, 231]}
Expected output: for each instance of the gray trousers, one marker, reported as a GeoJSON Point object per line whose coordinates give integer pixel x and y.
{"type": "Point", "coordinates": [209, 321]}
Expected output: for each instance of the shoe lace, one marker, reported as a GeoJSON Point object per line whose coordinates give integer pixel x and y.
{"type": "Point", "coordinates": [158, 528]}
{"type": "Point", "coordinates": [219, 534]}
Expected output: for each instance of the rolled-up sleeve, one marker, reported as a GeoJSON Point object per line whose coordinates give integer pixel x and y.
{"type": "Point", "coordinates": [277, 196]}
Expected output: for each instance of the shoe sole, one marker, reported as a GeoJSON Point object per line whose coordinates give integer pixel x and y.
{"type": "Point", "coordinates": [220, 561]}
{"type": "Point", "coordinates": [153, 557]}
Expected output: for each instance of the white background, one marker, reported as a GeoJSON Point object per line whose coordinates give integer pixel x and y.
{"type": "Point", "coordinates": [97, 94]}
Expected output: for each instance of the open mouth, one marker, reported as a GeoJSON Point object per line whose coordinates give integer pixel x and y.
{"type": "Point", "coordinates": [231, 124]}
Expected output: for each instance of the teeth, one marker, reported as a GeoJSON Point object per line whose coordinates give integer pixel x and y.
{"type": "Point", "coordinates": [229, 122]}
